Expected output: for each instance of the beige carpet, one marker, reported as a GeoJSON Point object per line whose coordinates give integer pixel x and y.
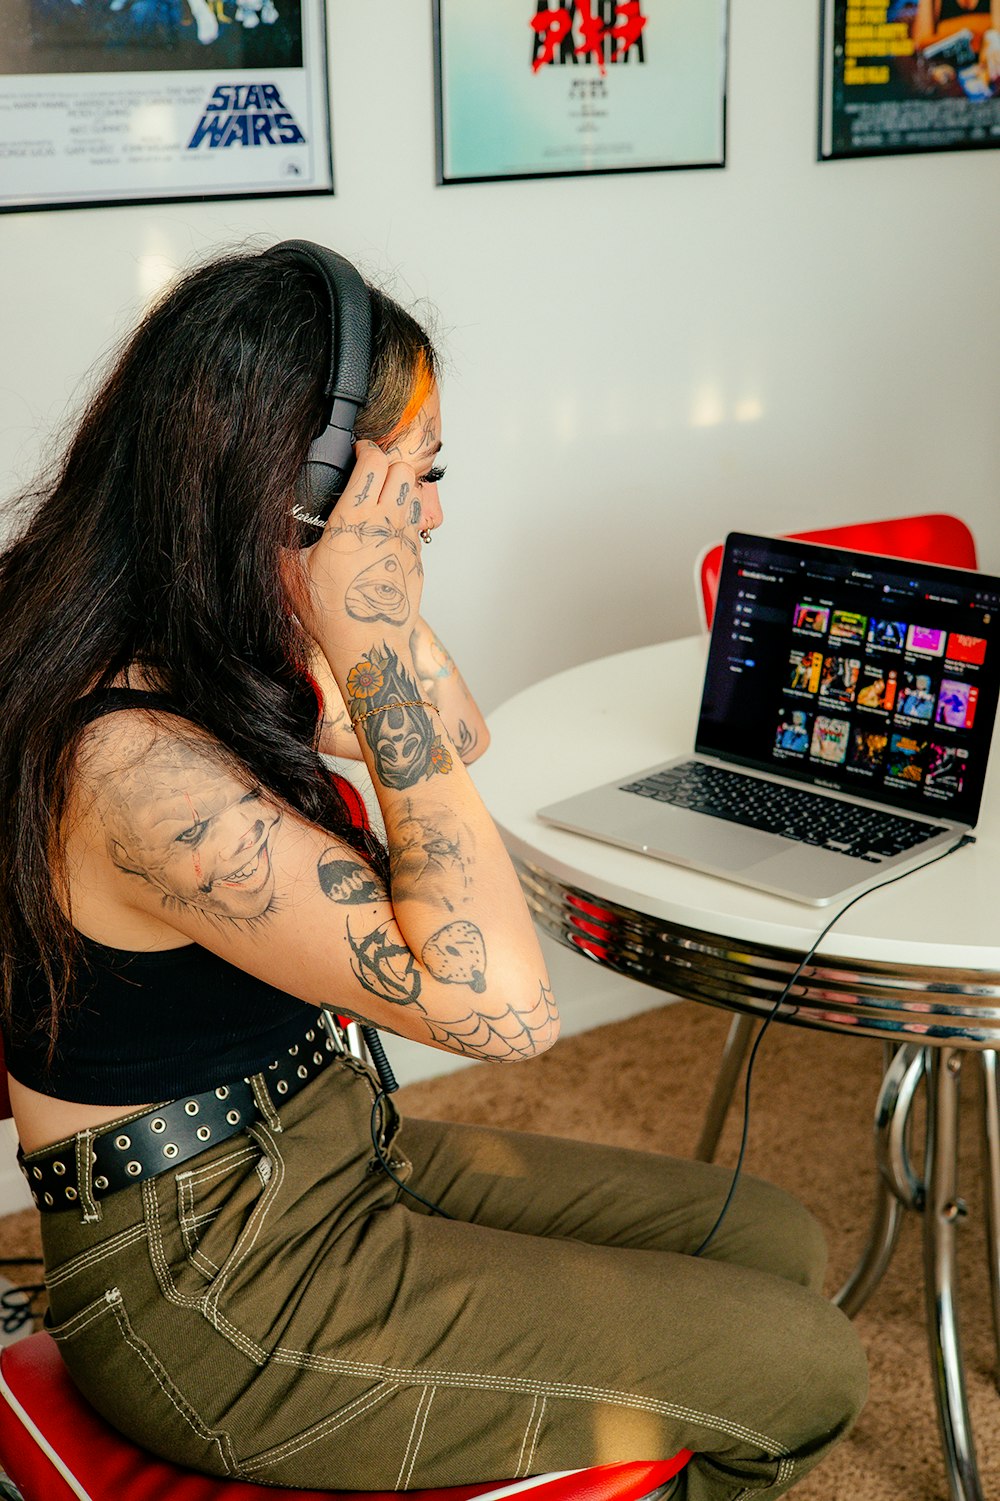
{"type": "Point", "coordinates": [645, 1082]}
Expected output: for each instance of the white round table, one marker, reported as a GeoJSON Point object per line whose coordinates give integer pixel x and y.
{"type": "Point", "coordinates": [916, 964]}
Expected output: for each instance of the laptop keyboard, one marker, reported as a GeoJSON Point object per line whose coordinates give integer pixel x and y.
{"type": "Point", "coordinates": [847, 829]}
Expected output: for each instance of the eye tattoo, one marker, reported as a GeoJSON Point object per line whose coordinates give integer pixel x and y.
{"type": "Point", "coordinates": [194, 834]}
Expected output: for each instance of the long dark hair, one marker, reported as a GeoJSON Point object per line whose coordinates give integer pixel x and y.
{"type": "Point", "coordinates": [159, 544]}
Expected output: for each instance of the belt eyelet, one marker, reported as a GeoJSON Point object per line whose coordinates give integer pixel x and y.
{"type": "Point", "coordinates": [58, 1167]}
{"type": "Point", "coordinates": [233, 1117]}
{"type": "Point", "coordinates": [123, 1143]}
{"type": "Point", "coordinates": [170, 1150]}
{"type": "Point", "coordinates": [158, 1125]}
{"type": "Point", "coordinates": [101, 1182]}
{"type": "Point", "coordinates": [203, 1133]}
{"type": "Point", "coordinates": [222, 1093]}
{"type": "Point", "coordinates": [133, 1169]}
{"type": "Point", "coordinates": [71, 1193]}
{"type": "Point", "coordinates": [191, 1107]}
{"type": "Point", "coordinates": [282, 1087]}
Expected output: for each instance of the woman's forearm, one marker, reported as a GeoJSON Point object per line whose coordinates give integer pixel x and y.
{"type": "Point", "coordinates": [455, 895]}
{"type": "Point", "coordinates": [440, 683]}
{"type": "Point", "coordinates": [443, 684]}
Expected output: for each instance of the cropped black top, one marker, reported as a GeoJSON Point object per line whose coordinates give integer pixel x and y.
{"type": "Point", "coordinates": [150, 1026]}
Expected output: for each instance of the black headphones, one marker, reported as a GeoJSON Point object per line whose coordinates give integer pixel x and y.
{"type": "Point", "coordinates": [345, 390]}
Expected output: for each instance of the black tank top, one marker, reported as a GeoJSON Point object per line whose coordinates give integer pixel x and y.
{"type": "Point", "coordinates": [151, 1026]}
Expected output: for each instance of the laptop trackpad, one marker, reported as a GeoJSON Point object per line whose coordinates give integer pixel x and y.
{"type": "Point", "coordinates": [712, 843]}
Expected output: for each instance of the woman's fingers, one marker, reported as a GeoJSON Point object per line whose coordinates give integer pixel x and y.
{"type": "Point", "coordinates": [376, 483]}
{"type": "Point", "coordinates": [365, 483]}
{"type": "Point", "coordinates": [401, 495]}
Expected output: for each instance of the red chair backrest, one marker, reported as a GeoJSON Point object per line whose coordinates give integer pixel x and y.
{"type": "Point", "coordinates": [934, 538]}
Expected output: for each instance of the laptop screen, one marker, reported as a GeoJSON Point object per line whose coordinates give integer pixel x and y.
{"type": "Point", "coordinates": [864, 674]}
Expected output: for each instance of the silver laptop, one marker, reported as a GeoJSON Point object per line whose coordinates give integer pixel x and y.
{"type": "Point", "coordinates": [845, 726]}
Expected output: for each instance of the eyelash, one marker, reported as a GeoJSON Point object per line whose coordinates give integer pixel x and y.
{"type": "Point", "coordinates": [433, 476]}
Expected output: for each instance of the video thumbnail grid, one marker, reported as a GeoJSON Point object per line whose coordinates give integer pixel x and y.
{"type": "Point", "coordinates": [889, 700]}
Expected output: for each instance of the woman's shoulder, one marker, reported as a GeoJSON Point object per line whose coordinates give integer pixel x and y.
{"type": "Point", "coordinates": [149, 794]}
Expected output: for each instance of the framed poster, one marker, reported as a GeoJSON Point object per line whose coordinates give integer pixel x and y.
{"type": "Point", "coordinates": [538, 88]}
{"type": "Point", "coordinates": [132, 101]}
{"type": "Point", "coordinates": [909, 75]}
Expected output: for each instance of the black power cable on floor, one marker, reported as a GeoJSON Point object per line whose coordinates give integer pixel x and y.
{"type": "Point", "coordinates": [769, 1018]}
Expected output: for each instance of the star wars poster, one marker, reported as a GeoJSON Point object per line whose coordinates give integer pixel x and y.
{"type": "Point", "coordinates": [533, 88]}
{"type": "Point", "coordinates": [125, 101]}
{"type": "Point", "coordinates": [909, 75]}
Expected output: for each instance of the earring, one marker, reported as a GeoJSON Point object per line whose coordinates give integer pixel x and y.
{"type": "Point", "coordinates": [425, 535]}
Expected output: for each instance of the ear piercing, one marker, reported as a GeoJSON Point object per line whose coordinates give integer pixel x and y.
{"type": "Point", "coordinates": [425, 534]}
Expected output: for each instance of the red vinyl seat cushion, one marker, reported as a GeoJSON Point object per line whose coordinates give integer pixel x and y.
{"type": "Point", "coordinates": [40, 1408]}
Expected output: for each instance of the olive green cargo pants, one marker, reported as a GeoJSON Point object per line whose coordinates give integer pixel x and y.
{"type": "Point", "coordinates": [276, 1310]}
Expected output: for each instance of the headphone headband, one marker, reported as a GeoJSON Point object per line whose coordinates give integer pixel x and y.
{"type": "Point", "coordinates": [345, 388]}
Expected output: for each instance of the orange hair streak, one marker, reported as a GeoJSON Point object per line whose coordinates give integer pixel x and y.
{"type": "Point", "coordinates": [422, 384]}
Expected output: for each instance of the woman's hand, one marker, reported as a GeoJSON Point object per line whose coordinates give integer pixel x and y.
{"type": "Point", "coordinates": [364, 574]}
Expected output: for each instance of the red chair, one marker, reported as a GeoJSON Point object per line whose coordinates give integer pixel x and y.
{"type": "Point", "coordinates": [54, 1447]}
{"type": "Point", "coordinates": [936, 538]}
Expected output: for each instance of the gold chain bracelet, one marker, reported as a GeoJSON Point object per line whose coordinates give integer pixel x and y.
{"type": "Point", "coordinates": [403, 703]}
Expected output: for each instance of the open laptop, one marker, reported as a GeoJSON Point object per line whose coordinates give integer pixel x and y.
{"type": "Point", "coordinates": [845, 725]}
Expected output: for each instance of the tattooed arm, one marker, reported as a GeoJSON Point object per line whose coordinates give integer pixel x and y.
{"type": "Point", "coordinates": [168, 840]}
{"type": "Point", "coordinates": [440, 683]}
{"type": "Point", "coordinates": [459, 925]}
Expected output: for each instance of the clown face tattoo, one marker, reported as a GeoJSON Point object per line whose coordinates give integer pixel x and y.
{"type": "Point", "coordinates": [193, 832]}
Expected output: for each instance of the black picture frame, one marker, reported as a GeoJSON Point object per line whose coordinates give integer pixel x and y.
{"type": "Point", "coordinates": [592, 83]}
{"type": "Point", "coordinates": [890, 89]}
{"type": "Point", "coordinates": [113, 102]}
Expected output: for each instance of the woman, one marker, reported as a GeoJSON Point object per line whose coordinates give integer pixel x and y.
{"type": "Point", "coordinates": [252, 1269]}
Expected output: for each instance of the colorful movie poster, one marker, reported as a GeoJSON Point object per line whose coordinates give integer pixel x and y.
{"type": "Point", "coordinates": [909, 75]}
{"type": "Point", "coordinates": [534, 88]}
{"type": "Point", "coordinates": [105, 101]}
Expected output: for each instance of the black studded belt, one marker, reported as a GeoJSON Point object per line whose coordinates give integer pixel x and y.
{"type": "Point", "coordinates": [169, 1134]}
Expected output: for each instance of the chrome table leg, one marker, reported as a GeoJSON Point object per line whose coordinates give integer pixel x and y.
{"type": "Point", "coordinates": [990, 1101]}
{"type": "Point", "coordinates": [942, 1211]}
{"type": "Point", "coordinates": [734, 1053]}
{"type": "Point", "coordinates": [897, 1187]}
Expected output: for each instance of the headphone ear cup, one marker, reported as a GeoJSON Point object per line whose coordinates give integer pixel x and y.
{"type": "Point", "coordinates": [331, 454]}
{"type": "Point", "coordinates": [323, 476]}
{"type": "Point", "coordinates": [318, 489]}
